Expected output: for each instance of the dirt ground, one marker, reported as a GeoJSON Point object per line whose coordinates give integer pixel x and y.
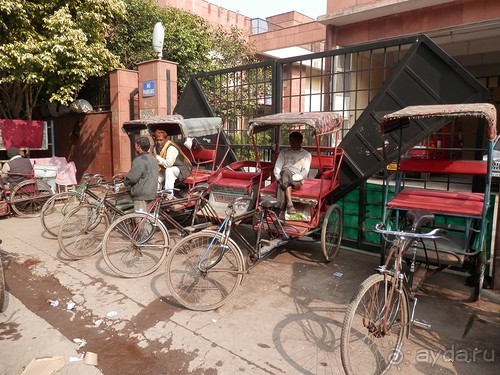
{"type": "Point", "coordinates": [285, 319]}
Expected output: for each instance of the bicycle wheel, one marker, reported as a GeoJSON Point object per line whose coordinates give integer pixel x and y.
{"type": "Point", "coordinates": [214, 282]}
{"type": "Point", "coordinates": [135, 245]}
{"type": "Point", "coordinates": [479, 271]}
{"type": "Point", "coordinates": [54, 210]}
{"type": "Point", "coordinates": [28, 197]}
{"type": "Point", "coordinates": [82, 231]}
{"type": "Point", "coordinates": [2, 286]}
{"type": "Point", "coordinates": [331, 232]}
{"type": "Point", "coordinates": [371, 340]}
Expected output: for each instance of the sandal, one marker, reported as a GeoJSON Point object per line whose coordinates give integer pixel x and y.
{"type": "Point", "coordinates": [291, 210]}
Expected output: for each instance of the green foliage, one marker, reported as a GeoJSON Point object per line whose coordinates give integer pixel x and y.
{"type": "Point", "coordinates": [230, 48]}
{"type": "Point", "coordinates": [238, 94]}
{"type": "Point", "coordinates": [131, 40]}
{"type": "Point", "coordinates": [50, 48]}
{"type": "Point", "coordinates": [189, 40]}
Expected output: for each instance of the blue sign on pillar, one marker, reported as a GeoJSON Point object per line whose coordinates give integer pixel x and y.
{"type": "Point", "coordinates": [148, 89]}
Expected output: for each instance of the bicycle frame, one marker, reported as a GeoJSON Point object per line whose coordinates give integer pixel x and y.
{"type": "Point", "coordinates": [403, 241]}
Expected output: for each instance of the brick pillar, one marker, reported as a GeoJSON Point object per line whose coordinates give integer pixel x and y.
{"type": "Point", "coordinates": [122, 84]}
{"type": "Point", "coordinates": [157, 88]}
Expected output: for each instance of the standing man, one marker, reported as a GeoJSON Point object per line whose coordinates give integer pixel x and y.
{"type": "Point", "coordinates": [17, 169]}
{"type": "Point", "coordinates": [290, 170]}
{"type": "Point", "coordinates": [143, 176]}
{"type": "Point", "coordinates": [173, 163]}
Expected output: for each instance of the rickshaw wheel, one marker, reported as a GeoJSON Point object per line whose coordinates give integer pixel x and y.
{"type": "Point", "coordinates": [331, 232]}
{"type": "Point", "coordinates": [82, 231]}
{"type": "Point", "coordinates": [54, 210]}
{"type": "Point", "coordinates": [201, 279]}
{"type": "Point", "coordinates": [29, 196]}
{"type": "Point", "coordinates": [480, 268]}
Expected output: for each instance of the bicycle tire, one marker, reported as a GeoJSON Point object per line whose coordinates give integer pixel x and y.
{"type": "Point", "coordinates": [82, 231]}
{"type": "Point", "coordinates": [364, 347]}
{"type": "Point", "coordinates": [331, 232]}
{"type": "Point", "coordinates": [3, 290]}
{"type": "Point", "coordinates": [28, 197]}
{"type": "Point", "coordinates": [135, 245]}
{"type": "Point", "coordinates": [479, 272]}
{"type": "Point", "coordinates": [203, 291]}
{"type": "Point", "coordinates": [56, 207]}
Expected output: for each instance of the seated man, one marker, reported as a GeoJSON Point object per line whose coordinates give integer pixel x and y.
{"type": "Point", "coordinates": [17, 169]}
{"type": "Point", "coordinates": [173, 163]}
{"type": "Point", "coordinates": [290, 170]}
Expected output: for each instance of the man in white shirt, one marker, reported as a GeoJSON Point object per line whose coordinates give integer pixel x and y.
{"type": "Point", "coordinates": [172, 161]}
{"type": "Point", "coordinates": [291, 167]}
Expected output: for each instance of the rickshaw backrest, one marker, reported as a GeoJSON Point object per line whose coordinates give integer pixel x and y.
{"type": "Point", "coordinates": [327, 165]}
{"type": "Point", "coordinates": [203, 154]}
{"type": "Point", "coordinates": [327, 162]}
{"type": "Point", "coordinates": [463, 167]}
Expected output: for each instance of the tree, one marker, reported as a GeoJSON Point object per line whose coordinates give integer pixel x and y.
{"type": "Point", "coordinates": [231, 48]}
{"type": "Point", "coordinates": [189, 40]}
{"type": "Point", "coordinates": [50, 48]}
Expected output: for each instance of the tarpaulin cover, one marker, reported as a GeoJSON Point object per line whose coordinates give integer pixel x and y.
{"type": "Point", "coordinates": [322, 122]}
{"type": "Point", "coordinates": [175, 124]}
{"type": "Point", "coordinates": [21, 133]}
{"type": "Point", "coordinates": [394, 120]}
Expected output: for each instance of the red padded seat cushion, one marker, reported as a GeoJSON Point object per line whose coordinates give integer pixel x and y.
{"type": "Point", "coordinates": [440, 201]}
{"type": "Point", "coordinates": [312, 188]}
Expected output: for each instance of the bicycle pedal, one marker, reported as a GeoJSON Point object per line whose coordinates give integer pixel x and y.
{"type": "Point", "coordinates": [421, 324]}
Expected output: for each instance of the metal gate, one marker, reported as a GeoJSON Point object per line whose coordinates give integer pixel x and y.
{"type": "Point", "coordinates": [361, 82]}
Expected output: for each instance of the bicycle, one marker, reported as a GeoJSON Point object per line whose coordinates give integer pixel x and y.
{"type": "Point", "coordinates": [205, 269]}
{"type": "Point", "coordinates": [82, 230]}
{"type": "Point", "coordinates": [136, 244]}
{"type": "Point", "coordinates": [380, 314]}
{"type": "Point", "coordinates": [54, 210]}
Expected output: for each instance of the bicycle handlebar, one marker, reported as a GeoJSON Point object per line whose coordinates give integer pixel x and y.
{"type": "Point", "coordinates": [433, 234]}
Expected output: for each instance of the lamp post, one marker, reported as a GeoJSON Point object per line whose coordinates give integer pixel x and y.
{"type": "Point", "coordinates": [158, 36]}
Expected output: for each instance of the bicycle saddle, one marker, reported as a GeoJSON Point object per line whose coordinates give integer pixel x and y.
{"type": "Point", "coordinates": [267, 201]}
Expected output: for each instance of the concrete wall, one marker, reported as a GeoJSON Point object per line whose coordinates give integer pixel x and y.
{"type": "Point", "coordinates": [426, 19]}
{"type": "Point", "coordinates": [299, 35]}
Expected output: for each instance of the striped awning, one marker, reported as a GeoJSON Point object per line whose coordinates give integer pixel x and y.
{"type": "Point", "coordinates": [176, 124]}
{"type": "Point", "coordinates": [322, 122]}
{"type": "Point", "coordinates": [395, 120]}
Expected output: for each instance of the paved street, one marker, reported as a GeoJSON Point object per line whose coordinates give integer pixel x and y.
{"type": "Point", "coordinates": [285, 319]}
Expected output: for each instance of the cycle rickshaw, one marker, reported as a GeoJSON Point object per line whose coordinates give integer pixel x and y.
{"type": "Point", "coordinates": [25, 198]}
{"type": "Point", "coordinates": [204, 269]}
{"type": "Point", "coordinates": [136, 244]}
{"type": "Point", "coordinates": [436, 218]}
{"type": "Point", "coordinates": [450, 178]}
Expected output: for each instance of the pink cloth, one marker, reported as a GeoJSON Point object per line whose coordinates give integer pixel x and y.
{"type": "Point", "coordinates": [66, 172]}
{"type": "Point", "coordinates": [22, 133]}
